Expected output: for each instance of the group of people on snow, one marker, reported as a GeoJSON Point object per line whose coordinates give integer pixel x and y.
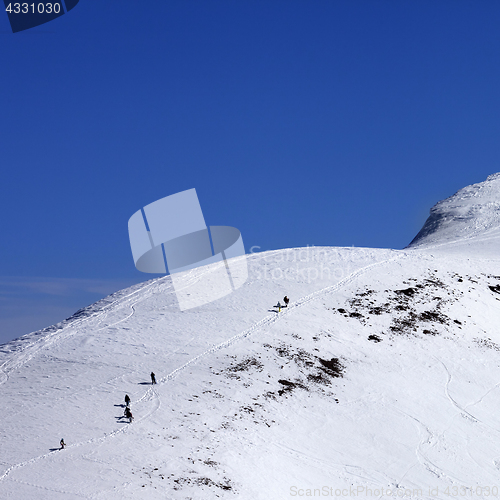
{"type": "Point", "coordinates": [286, 300]}
{"type": "Point", "coordinates": [128, 413]}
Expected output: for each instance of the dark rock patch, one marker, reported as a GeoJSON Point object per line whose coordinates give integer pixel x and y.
{"type": "Point", "coordinates": [432, 316]}
{"type": "Point", "coordinates": [288, 386]}
{"type": "Point", "coordinates": [409, 292]}
{"type": "Point", "coordinates": [435, 282]}
{"type": "Point", "coordinates": [333, 367]}
{"type": "Point", "coordinates": [318, 378]}
{"type": "Point", "coordinates": [489, 344]}
{"type": "Point", "coordinates": [245, 365]}
{"type": "Point", "coordinates": [429, 332]}
{"type": "Point", "coordinates": [403, 325]}
{"type": "Point", "coordinates": [246, 409]}
{"type": "Point", "coordinates": [202, 481]}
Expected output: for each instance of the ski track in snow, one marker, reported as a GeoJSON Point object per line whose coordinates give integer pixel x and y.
{"type": "Point", "coordinates": [26, 353]}
{"type": "Point", "coordinates": [422, 459]}
{"type": "Point", "coordinates": [46, 488]}
{"type": "Point", "coordinates": [29, 351]}
{"type": "Point", "coordinates": [464, 413]}
{"type": "Point", "coordinates": [461, 409]}
{"type": "Point", "coordinates": [151, 393]}
{"type": "Point", "coordinates": [432, 439]}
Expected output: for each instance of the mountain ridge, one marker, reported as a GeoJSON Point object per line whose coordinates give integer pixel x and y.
{"type": "Point", "coordinates": [382, 374]}
{"type": "Point", "coordinates": [470, 212]}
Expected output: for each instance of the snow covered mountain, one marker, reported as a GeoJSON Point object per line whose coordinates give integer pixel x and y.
{"type": "Point", "coordinates": [381, 379]}
{"type": "Point", "coordinates": [471, 213]}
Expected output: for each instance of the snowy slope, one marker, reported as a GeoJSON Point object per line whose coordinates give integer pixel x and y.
{"type": "Point", "coordinates": [471, 213]}
{"type": "Point", "coordinates": [383, 374]}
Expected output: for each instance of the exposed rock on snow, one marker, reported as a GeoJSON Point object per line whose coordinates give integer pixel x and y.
{"type": "Point", "coordinates": [382, 375]}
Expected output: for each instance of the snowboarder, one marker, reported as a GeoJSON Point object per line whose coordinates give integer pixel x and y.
{"type": "Point", "coordinates": [286, 300]}
{"type": "Point", "coordinates": [127, 400]}
{"type": "Point", "coordinates": [128, 414]}
{"type": "Point", "coordinates": [153, 378]}
{"type": "Point", "coordinates": [279, 307]}
{"type": "Point", "coordinates": [63, 444]}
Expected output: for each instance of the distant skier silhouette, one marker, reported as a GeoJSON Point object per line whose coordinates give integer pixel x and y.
{"type": "Point", "coordinates": [127, 400]}
{"type": "Point", "coordinates": [286, 300]}
{"type": "Point", "coordinates": [128, 414]}
{"type": "Point", "coordinates": [279, 307]}
{"type": "Point", "coordinates": [153, 378]}
{"type": "Point", "coordinates": [63, 444]}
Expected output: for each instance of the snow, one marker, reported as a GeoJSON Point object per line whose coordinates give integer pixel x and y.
{"type": "Point", "coordinates": [249, 403]}
{"type": "Point", "coordinates": [472, 212]}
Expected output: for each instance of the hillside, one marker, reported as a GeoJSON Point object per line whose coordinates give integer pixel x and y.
{"type": "Point", "coordinates": [471, 215]}
{"type": "Point", "coordinates": [381, 378]}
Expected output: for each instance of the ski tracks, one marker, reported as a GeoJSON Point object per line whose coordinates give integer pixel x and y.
{"type": "Point", "coordinates": [27, 353]}
{"type": "Point", "coordinates": [431, 440]}
{"type": "Point", "coordinates": [271, 319]}
{"type": "Point", "coordinates": [448, 395]}
{"type": "Point", "coordinates": [31, 349]}
{"type": "Point", "coordinates": [463, 411]}
{"type": "Point", "coordinates": [151, 393]}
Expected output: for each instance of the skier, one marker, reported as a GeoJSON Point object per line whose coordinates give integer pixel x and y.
{"type": "Point", "coordinates": [279, 307]}
{"type": "Point", "coordinates": [127, 400]}
{"type": "Point", "coordinates": [286, 300]}
{"type": "Point", "coordinates": [128, 414]}
{"type": "Point", "coordinates": [63, 444]}
{"type": "Point", "coordinates": [153, 379]}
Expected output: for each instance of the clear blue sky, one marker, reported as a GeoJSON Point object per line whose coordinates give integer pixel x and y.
{"type": "Point", "coordinates": [315, 122]}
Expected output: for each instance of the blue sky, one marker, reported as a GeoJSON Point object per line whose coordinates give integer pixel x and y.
{"type": "Point", "coordinates": [299, 122]}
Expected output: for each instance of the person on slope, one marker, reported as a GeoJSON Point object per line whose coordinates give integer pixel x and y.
{"type": "Point", "coordinates": [286, 300]}
{"type": "Point", "coordinates": [153, 378]}
{"type": "Point", "coordinates": [279, 306]}
{"type": "Point", "coordinates": [127, 400]}
{"type": "Point", "coordinates": [63, 444]}
{"type": "Point", "coordinates": [128, 414]}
